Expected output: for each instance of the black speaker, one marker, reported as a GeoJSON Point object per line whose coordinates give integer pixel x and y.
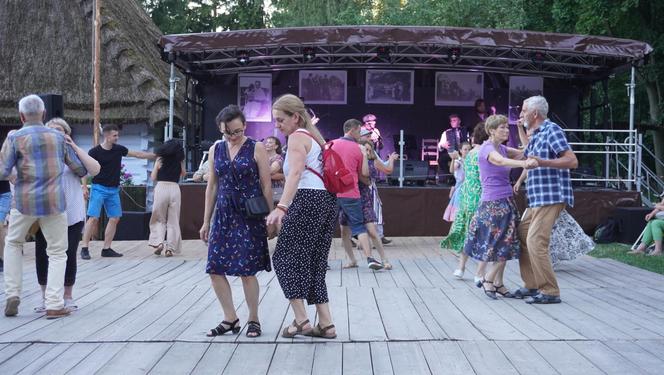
{"type": "Point", "coordinates": [414, 172]}
{"type": "Point", "coordinates": [53, 105]}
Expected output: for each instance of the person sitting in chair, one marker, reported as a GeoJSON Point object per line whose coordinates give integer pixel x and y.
{"type": "Point", "coordinates": [654, 231]}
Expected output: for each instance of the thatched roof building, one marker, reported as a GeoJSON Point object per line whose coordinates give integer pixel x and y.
{"type": "Point", "coordinates": [46, 47]}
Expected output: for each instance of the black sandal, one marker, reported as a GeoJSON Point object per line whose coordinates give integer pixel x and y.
{"type": "Point", "coordinates": [253, 329]}
{"type": "Point", "coordinates": [490, 293]}
{"type": "Point", "coordinates": [221, 328]}
{"type": "Point", "coordinates": [504, 292]}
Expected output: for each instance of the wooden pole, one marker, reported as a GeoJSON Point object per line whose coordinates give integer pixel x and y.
{"type": "Point", "coordinates": [97, 73]}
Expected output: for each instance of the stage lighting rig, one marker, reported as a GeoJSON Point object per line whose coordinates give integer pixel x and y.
{"type": "Point", "coordinates": [454, 53]}
{"type": "Point", "coordinates": [383, 52]}
{"type": "Point", "coordinates": [242, 57]}
{"type": "Point", "coordinates": [538, 57]}
{"type": "Point", "coordinates": [308, 53]}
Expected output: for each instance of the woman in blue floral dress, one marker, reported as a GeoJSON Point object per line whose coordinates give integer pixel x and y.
{"type": "Point", "coordinates": [237, 245]}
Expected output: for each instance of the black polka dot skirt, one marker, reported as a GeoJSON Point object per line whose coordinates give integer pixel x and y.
{"type": "Point", "coordinates": [300, 259]}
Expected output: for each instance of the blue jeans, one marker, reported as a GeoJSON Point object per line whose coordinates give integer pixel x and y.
{"type": "Point", "coordinates": [353, 209]}
{"type": "Point", "coordinates": [5, 205]}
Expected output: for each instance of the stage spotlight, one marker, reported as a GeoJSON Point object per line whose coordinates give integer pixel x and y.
{"type": "Point", "coordinates": [538, 57]}
{"type": "Point", "coordinates": [454, 54]}
{"type": "Point", "coordinates": [308, 53]}
{"type": "Point", "coordinates": [242, 57]}
{"type": "Point", "coordinates": [383, 52]}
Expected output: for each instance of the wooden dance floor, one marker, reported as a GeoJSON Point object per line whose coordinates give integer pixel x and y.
{"type": "Point", "coordinates": [143, 314]}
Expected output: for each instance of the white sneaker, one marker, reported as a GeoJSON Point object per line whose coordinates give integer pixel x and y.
{"type": "Point", "coordinates": [458, 273]}
{"type": "Point", "coordinates": [477, 279]}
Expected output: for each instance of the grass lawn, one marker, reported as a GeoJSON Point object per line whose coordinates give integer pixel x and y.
{"type": "Point", "coordinates": [618, 251]}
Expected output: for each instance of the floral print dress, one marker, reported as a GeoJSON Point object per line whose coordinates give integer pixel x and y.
{"type": "Point", "coordinates": [469, 197]}
{"type": "Point", "coordinates": [237, 245]}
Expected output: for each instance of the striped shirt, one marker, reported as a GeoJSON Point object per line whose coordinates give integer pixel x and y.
{"type": "Point", "coordinates": [548, 186]}
{"type": "Point", "coordinates": [40, 155]}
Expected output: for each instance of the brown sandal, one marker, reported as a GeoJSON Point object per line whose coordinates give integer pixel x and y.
{"type": "Point", "coordinates": [158, 249]}
{"type": "Point", "coordinates": [299, 330]}
{"type": "Point", "coordinates": [168, 253]}
{"type": "Point", "coordinates": [319, 331]}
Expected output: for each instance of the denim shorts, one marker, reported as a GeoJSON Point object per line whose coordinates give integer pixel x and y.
{"type": "Point", "coordinates": [108, 197]}
{"type": "Point", "coordinates": [352, 209]}
{"type": "Point", "coordinates": [5, 205]}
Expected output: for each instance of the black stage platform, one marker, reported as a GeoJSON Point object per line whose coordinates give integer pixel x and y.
{"type": "Point", "coordinates": [418, 211]}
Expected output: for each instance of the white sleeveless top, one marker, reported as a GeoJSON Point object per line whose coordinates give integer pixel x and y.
{"type": "Point", "coordinates": [314, 160]}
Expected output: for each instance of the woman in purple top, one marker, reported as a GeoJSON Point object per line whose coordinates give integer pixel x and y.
{"type": "Point", "coordinates": [492, 234]}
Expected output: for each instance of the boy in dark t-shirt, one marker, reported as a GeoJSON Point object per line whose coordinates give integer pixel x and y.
{"type": "Point", "coordinates": [105, 189]}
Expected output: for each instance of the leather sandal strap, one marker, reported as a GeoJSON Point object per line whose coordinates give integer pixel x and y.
{"type": "Point", "coordinates": [323, 330]}
{"type": "Point", "coordinates": [300, 327]}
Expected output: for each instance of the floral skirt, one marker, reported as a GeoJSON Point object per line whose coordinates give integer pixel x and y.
{"type": "Point", "coordinates": [492, 234]}
{"type": "Point", "coordinates": [568, 241]}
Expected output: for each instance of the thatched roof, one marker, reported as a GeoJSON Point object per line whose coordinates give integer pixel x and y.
{"type": "Point", "coordinates": [46, 47]}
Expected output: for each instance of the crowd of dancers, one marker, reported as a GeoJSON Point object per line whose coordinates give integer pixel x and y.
{"type": "Point", "coordinates": [255, 193]}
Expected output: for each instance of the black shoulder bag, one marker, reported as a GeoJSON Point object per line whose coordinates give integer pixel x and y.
{"type": "Point", "coordinates": [253, 208]}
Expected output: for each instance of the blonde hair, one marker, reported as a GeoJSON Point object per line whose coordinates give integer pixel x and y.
{"type": "Point", "coordinates": [493, 122]}
{"type": "Point", "coordinates": [60, 122]}
{"type": "Point", "coordinates": [290, 105]}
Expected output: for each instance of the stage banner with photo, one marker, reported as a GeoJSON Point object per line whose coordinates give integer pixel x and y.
{"type": "Point", "coordinates": [389, 87]}
{"type": "Point", "coordinates": [455, 89]}
{"type": "Point", "coordinates": [522, 88]}
{"type": "Point", "coordinates": [255, 96]}
{"type": "Point", "coordinates": [323, 86]}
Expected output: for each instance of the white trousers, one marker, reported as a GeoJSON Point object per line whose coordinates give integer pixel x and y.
{"type": "Point", "coordinates": [54, 228]}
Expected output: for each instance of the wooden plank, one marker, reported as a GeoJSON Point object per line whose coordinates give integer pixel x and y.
{"type": "Point", "coordinates": [166, 318]}
{"type": "Point", "coordinates": [445, 358]}
{"type": "Point", "coordinates": [399, 317]}
{"type": "Point", "coordinates": [292, 359]}
{"type": "Point", "coordinates": [181, 358]}
{"type": "Point", "coordinates": [604, 358]}
{"type": "Point", "coordinates": [98, 358]}
{"type": "Point", "coordinates": [273, 307]}
{"type": "Point", "coordinates": [479, 312]}
{"type": "Point", "coordinates": [400, 275]}
{"type": "Point", "coordinates": [339, 311]}
{"type": "Point", "coordinates": [328, 359]}
{"type": "Point", "coordinates": [453, 322]}
{"type": "Point", "coordinates": [10, 350]}
{"type": "Point", "coordinates": [486, 358]}
{"type": "Point", "coordinates": [435, 278]}
{"type": "Point", "coordinates": [209, 318]}
{"type": "Point", "coordinates": [350, 277]}
{"type": "Point", "coordinates": [207, 301]}
{"type": "Point", "coordinates": [41, 361]}
{"type": "Point", "coordinates": [380, 358]}
{"type": "Point", "coordinates": [564, 358]}
{"type": "Point", "coordinates": [142, 316]}
{"type": "Point", "coordinates": [524, 358]}
{"type": "Point", "coordinates": [69, 358]}
{"type": "Point", "coordinates": [427, 317]}
{"type": "Point", "coordinates": [647, 362]}
{"type": "Point", "coordinates": [415, 274]}
{"type": "Point", "coordinates": [24, 358]}
{"type": "Point", "coordinates": [135, 358]}
{"type": "Point", "coordinates": [333, 275]}
{"type": "Point", "coordinates": [363, 316]}
{"type": "Point", "coordinates": [356, 359]}
{"type": "Point", "coordinates": [408, 358]}
{"type": "Point", "coordinates": [518, 318]}
{"type": "Point", "coordinates": [250, 359]}
{"type": "Point", "coordinates": [367, 277]}
{"type": "Point", "coordinates": [215, 359]}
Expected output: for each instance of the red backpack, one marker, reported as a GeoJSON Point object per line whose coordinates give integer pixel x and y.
{"type": "Point", "coordinates": [336, 177]}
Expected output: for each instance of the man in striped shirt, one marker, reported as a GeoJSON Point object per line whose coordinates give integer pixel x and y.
{"type": "Point", "coordinates": [39, 155]}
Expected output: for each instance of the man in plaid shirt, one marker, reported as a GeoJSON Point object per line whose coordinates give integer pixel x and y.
{"type": "Point", "coordinates": [39, 155]}
{"type": "Point", "coordinates": [549, 190]}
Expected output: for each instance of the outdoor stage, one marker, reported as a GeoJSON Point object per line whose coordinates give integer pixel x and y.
{"type": "Point", "coordinates": [141, 314]}
{"type": "Point", "coordinates": [418, 211]}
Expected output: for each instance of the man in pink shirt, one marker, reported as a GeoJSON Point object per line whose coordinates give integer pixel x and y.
{"type": "Point", "coordinates": [349, 201]}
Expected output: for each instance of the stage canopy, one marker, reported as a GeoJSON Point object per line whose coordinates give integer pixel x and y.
{"type": "Point", "coordinates": [566, 56]}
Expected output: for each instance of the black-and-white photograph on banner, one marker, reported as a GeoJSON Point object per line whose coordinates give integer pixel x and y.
{"type": "Point", "coordinates": [522, 88]}
{"type": "Point", "coordinates": [389, 87]}
{"type": "Point", "coordinates": [255, 96]}
{"type": "Point", "coordinates": [459, 89]}
{"type": "Point", "coordinates": [323, 86]}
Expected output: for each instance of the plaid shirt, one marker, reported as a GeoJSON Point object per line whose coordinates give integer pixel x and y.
{"type": "Point", "coordinates": [548, 186]}
{"type": "Point", "coordinates": [39, 155]}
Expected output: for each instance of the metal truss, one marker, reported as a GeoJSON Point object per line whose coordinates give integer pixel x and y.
{"type": "Point", "coordinates": [545, 63]}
